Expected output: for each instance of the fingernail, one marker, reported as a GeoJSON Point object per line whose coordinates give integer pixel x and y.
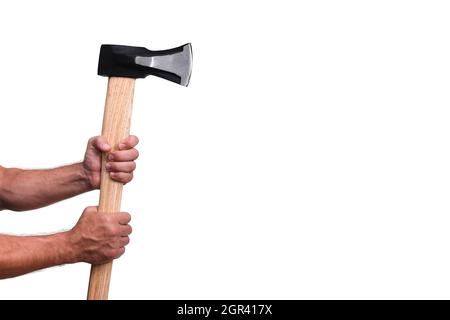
{"type": "Point", "coordinates": [108, 166]}
{"type": "Point", "coordinates": [122, 146]}
{"type": "Point", "coordinates": [110, 157]}
{"type": "Point", "coordinates": [105, 146]}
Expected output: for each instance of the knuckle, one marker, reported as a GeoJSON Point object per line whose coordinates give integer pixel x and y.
{"type": "Point", "coordinates": [126, 216]}
{"type": "Point", "coordinates": [111, 229]}
{"type": "Point", "coordinates": [134, 153]}
{"type": "Point", "coordinates": [115, 230]}
{"type": "Point", "coordinates": [133, 166]}
{"type": "Point", "coordinates": [89, 210]}
{"type": "Point", "coordinates": [112, 166]}
{"type": "Point", "coordinates": [97, 140]}
{"type": "Point", "coordinates": [107, 218]}
{"type": "Point", "coordinates": [110, 254]}
{"type": "Point", "coordinates": [119, 252]}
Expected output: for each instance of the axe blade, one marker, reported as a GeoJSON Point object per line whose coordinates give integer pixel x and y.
{"type": "Point", "coordinates": [138, 62]}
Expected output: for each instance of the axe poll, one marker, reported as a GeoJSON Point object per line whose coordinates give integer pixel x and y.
{"type": "Point", "coordinates": [123, 65]}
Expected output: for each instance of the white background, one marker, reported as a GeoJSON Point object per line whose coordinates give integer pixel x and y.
{"type": "Point", "coordinates": [309, 158]}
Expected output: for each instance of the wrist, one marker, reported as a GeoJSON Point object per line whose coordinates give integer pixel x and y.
{"type": "Point", "coordinates": [66, 251]}
{"type": "Point", "coordinates": [86, 175]}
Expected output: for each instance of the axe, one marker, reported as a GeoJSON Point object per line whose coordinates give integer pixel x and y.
{"type": "Point", "coordinates": [123, 65]}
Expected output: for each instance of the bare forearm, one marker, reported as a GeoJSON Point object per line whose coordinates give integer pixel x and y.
{"type": "Point", "coordinates": [30, 189]}
{"type": "Point", "coordinates": [20, 255]}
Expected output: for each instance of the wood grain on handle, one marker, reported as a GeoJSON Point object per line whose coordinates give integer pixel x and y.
{"type": "Point", "coordinates": [116, 127]}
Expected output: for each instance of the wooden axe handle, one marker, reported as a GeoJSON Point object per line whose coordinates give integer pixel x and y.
{"type": "Point", "coordinates": [116, 127]}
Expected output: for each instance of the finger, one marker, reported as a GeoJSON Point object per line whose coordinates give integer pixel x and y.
{"type": "Point", "coordinates": [91, 209]}
{"type": "Point", "coordinates": [119, 242]}
{"type": "Point", "coordinates": [124, 241]}
{"type": "Point", "coordinates": [123, 217]}
{"type": "Point", "coordinates": [123, 155]}
{"type": "Point", "coordinates": [100, 143]}
{"type": "Point", "coordinates": [122, 177]}
{"type": "Point", "coordinates": [116, 253]}
{"type": "Point", "coordinates": [125, 230]}
{"type": "Point", "coordinates": [128, 167]}
{"type": "Point", "coordinates": [128, 143]}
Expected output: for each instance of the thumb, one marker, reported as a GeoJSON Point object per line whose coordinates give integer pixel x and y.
{"type": "Point", "coordinates": [100, 143]}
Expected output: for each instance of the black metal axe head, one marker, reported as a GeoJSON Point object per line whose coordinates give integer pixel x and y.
{"type": "Point", "coordinates": [138, 62]}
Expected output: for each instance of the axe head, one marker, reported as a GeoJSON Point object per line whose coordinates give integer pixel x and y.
{"type": "Point", "coordinates": [138, 62]}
